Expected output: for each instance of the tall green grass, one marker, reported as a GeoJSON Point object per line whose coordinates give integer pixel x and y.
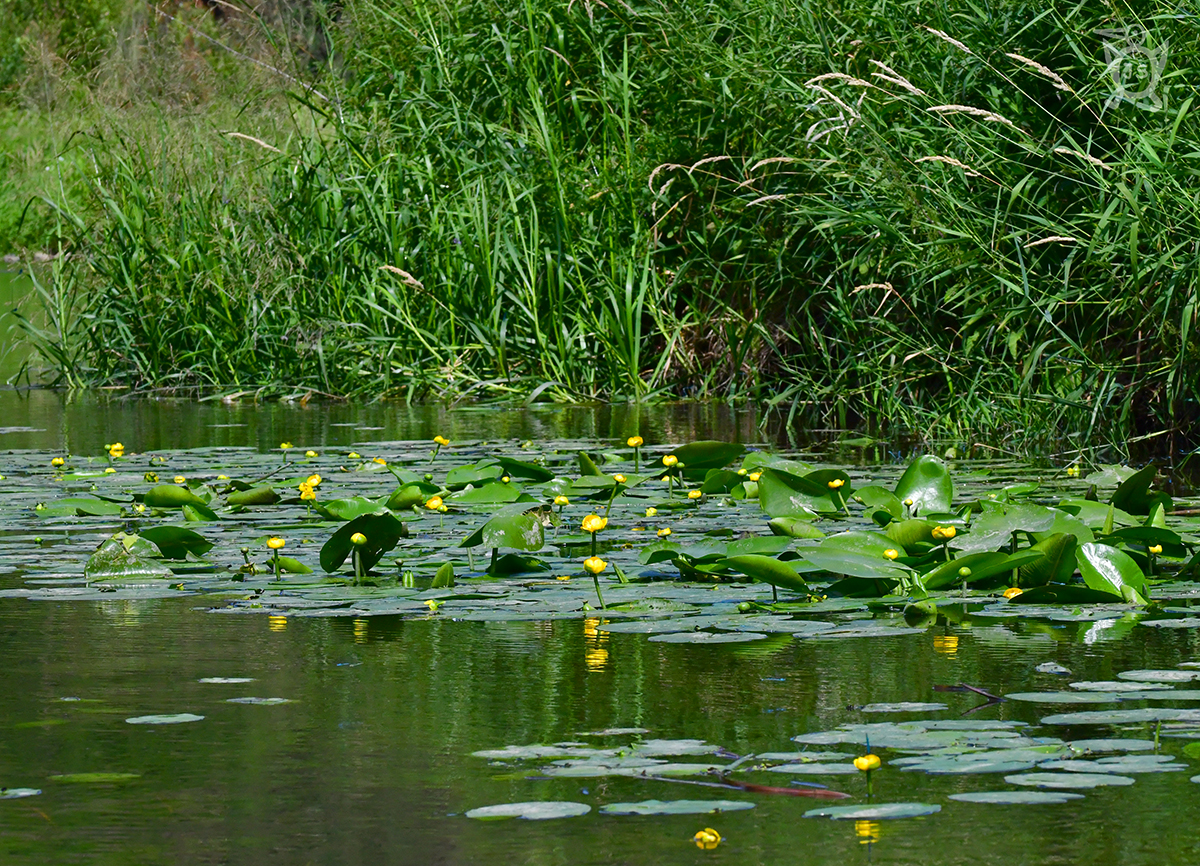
{"type": "Point", "coordinates": [757, 200]}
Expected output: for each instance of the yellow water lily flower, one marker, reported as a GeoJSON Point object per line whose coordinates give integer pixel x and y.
{"type": "Point", "coordinates": [634, 441]}
{"type": "Point", "coordinates": [354, 455]}
{"type": "Point", "coordinates": [275, 543]}
{"type": "Point", "coordinates": [310, 453]}
{"type": "Point", "coordinates": [441, 440]}
{"type": "Point", "coordinates": [358, 539]}
{"type": "Point", "coordinates": [307, 492]}
{"type": "Point", "coordinates": [836, 483]}
{"type": "Point", "coordinates": [651, 511]}
{"type": "Point", "coordinates": [57, 461]}
{"type": "Point", "coordinates": [594, 523]}
{"type": "Point", "coordinates": [908, 502]}
{"type": "Point", "coordinates": [504, 479]}
{"type": "Point", "coordinates": [286, 445]}
{"type": "Point", "coordinates": [754, 476]}
{"type": "Point", "coordinates": [561, 501]}
{"type": "Point", "coordinates": [694, 494]}
{"type": "Point", "coordinates": [1013, 592]}
{"type": "Point", "coordinates": [1072, 471]}
{"type": "Point", "coordinates": [108, 470]}
{"type": "Point", "coordinates": [944, 533]}
{"type": "Point", "coordinates": [179, 479]}
{"type": "Point", "coordinates": [1155, 548]}
{"type": "Point", "coordinates": [219, 477]}
{"type": "Point", "coordinates": [670, 460]}
{"type": "Point", "coordinates": [433, 605]}
{"type": "Point", "coordinates": [707, 839]}
{"type": "Point", "coordinates": [116, 450]}
{"type": "Point", "coordinates": [664, 532]}
{"type": "Point", "coordinates": [595, 564]}
{"type": "Point", "coordinates": [380, 461]}
{"type": "Point", "coordinates": [620, 479]}
{"type": "Point", "coordinates": [867, 762]}
{"type": "Point", "coordinates": [892, 553]}
{"type": "Point", "coordinates": [434, 504]}
{"type": "Point", "coordinates": [313, 480]}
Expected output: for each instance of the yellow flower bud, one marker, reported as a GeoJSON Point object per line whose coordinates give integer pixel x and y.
{"type": "Point", "coordinates": [441, 440]}
{"type": "Point", "coordinates": [595, 564]}
{"type": "Point", "coordinates": [275, 543]}
{"type": "Point", "coordinates": [620, 479]}
{"type": "Point", "coordinates": [892, 553]}
{"type": "Point", "coordinates": [219, 478]}
{"type": "Point", "coordinates": [1155, 548]}
{"type": "Point", "coordinates": [108, 470]}
{"type": "Point", "coordinates": [561, 501]}
{"type": "Point", "coordinates": [1013, 592]}
{"type": "Point", "coordinates": [1072, 471]}
{"type": "Point", "coordinates": [504, 479]}
{"type": "Point", "coordinates": [694, 494]}
{"type": "Point", "coordinates": [651, 511]}
{"type": "Point", "coordinates": [310, 453]}
{"type": "Point", "coordinates": [664, 532]}
{"type": "Point", "coordinates": [380, 461]}
{"type": "Point", "coordinates": [358, 539]}
{"type": "Point", "coordinates": [57, 461]}
{"type": "Point", "coordinates": [313, 480]}
{"type": "Point", "coordinates": [944, 533]}
{"type": "Point", "coordinates": [285, 445]}
{"type": "Point", "coordinates": [179, 479]}
{"type": "Point", "coordinates": [908, 502]}
{"type": "Point", "coordinates": [354, 455]}
{"type": "Point", "coordinates": [634, 441]}
{"type": "Point", "coordinates": [754, 476]}
{"type": "Point", "coordinates": [670, 460]}
{"type": "Point", "coordinates": [594, 523]}
{"type": "Point", "coordinates": [867, 762]}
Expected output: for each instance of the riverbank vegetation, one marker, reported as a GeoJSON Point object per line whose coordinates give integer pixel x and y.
{"type": "Point", "coordinates": [964, 222]}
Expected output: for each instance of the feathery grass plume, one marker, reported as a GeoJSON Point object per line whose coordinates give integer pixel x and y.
{"type": "Point", "coordinates": [1055, 79]}
{"type": "Point", "coordinates": [946, 38]}
{"type": "Point", "coordinates": [990, 116]}
{"type": "Point", "coordinates": [896, 78]}
{"type": "Point", "coordinates": [1099, 163]}
{"type": "Point", "coordinates": [949, 160]}
{"type": "Point", "coordinates": [1052, 239]}
{"type": "Point", "coordinates": [257, 141]}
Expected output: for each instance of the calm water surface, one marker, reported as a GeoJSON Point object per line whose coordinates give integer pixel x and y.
{"type": "Point", "coordinates": [370, 762]}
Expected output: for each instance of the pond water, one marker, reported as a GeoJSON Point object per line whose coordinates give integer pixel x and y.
{"type": "Point", "coordinates": [388, 689]}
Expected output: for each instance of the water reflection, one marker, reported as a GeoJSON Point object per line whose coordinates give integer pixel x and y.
{"type": "Point", "coordinates": [945, 644]}
{"type": "Point", "coordinates": [866, 832]}
{"type": "Point", "coordinates": [277, 623]}
{"type": "Point", "coordinates": [595, 655]}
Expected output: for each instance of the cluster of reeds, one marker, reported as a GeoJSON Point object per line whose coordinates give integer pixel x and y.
{"type": "Point", "coordinates": [948, 219]}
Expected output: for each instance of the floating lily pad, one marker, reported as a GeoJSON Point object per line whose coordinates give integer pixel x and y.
{"type": "Point", "coordinates": [534, 811]}
{"type": "Point", "coordinates": [1068, 780]}
{"type": "Point", "coordinates": [1120, 686]}
{"type": "Point", "coordinates": [232, 680]}
{"type": "Point", "coordinates": [904, 707]}
{"type": "Point", "coordinates": [175, 719]}
{"type": "Point", "coordinates": [866, 631]}
{"type": "Point", "coordinates": [18, 793]}
{"type": "Point", "coordinates": [1120, 717]}
{"type": "Point", "coordinates": [1151, 676]}
{"type": "Point", "coordinates": [1083, 697]}
{"type": "Point", "coordinates": [966, 765]}
{"type": "Point", "coordinates": [675, 807]}
{"type": "Point", "coordinates": [1121, 764]}
{"type": "Point", "coordinates": [1112, 745]}
{"type": "Point", "coordinates": [1016, 798]}
{"type": "Point", "coordinates": [707, 637]}
{"type": "Point", "coordinates": [878, 812]}
{"type": "Point", "coordinates": [258, 701]}
{"type": "Point", "coordinates": [815, 768]}
{"type": "Point", "coordinates": [1058, 670]}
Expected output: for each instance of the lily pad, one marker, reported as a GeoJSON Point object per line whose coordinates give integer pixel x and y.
{"type": "Point", "coordinates": [1068, 780]}
{"type": "Point", "coordinates": [675, 807]}
{"type": "Point", "coordinates": [879, 812]}
{"type": "Point", "coordinates": [265, 702]}
{"type": "Point", "coordinates": [1152, 676]}
{"type": "Point", "coordinates": [904, 707]}
{"type": "Point", "coordinates": [708, 637]}
{"type": "Point", "coordinates": [175, 719]}
{"type": "Point", "coordinates": [532, 811]}
{"type": "Point", "coordinates": [1016, 798]}
{"type": "Point", "coordinates": [233, 680]}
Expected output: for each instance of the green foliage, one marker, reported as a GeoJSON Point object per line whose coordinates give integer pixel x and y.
{"type": "Point", "coordinates": [935, 216]}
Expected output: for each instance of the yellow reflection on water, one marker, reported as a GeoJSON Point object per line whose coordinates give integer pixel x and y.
{"type": "Point", "coordinates": [945, 644]}
{"type": "Point", "coordinates": [595, 656]}
{"type": "Point", "coordinates": [277, 623]}
{"type": "Point", "coordinates": [360, 631]}
{"type": "Point", "coordinates": [866, 831]}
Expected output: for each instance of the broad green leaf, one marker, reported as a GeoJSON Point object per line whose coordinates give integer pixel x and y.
{"type": "Point", "coordinates": [764, 459]}
{"type": "Point", "coordinates": [870, 544]}
{"type": "Point", "coordinates": [197, 513]}
{"type": "Point", "coordinates": [699, 457]}
{"type": "Point", "coordinates": [482, 472]}
{"type": "Point", "coordinates": [983, 567]}
{"type": "Point", "coordinates": [910, 533]}
{"type": "Point", "coordinates": [1134, 496]}
{"type": "Point", "coordinates": [383, 531]}
{"type": "Point", "coordinates": [347, 509]}
{"type": "Point", "coordinates": [1108, 569]}
{"type": "Point", "coordinates": [293, 566]}
{"type": "Point", "coordinates": [520, 469]}
{"type": "Point", "coordinates": [411, 496]}
{"type": "Point", "coordinates": [83, 506]}
{"type": "Point", "coordinates": [876, 498]}
{"type": "Point", "coordinates": [781, 494]}
{"type": "Point", "coordinates": [171, 496]}
{"type": "Point", "coordinates": [114, 560]}
{"type": "Point", "coordinates": [767, 569]}
{"type": "Point", "coordinates": [720, 481]}
{"type": "Point", "coordinates": [853, 564]}
{"type": "Point", "coordinates": [927, 483]}
{"type": "Point", "coordinates": [444, 576]}
{"type": "Point", "coordinates": [175, 542]}
{"type": "Point", "coordinates": [264, 494]}
{"type": "Point", "coordinates": [587, 466]}
{"type": "Point", "coordinates": [489, 494]}
{"type": "Point", "coordinates": [517, 531]}
{"type": "Point", "coordinates": [795, 527]}
{"type": "Point", "coordinates": [1056, 563]}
